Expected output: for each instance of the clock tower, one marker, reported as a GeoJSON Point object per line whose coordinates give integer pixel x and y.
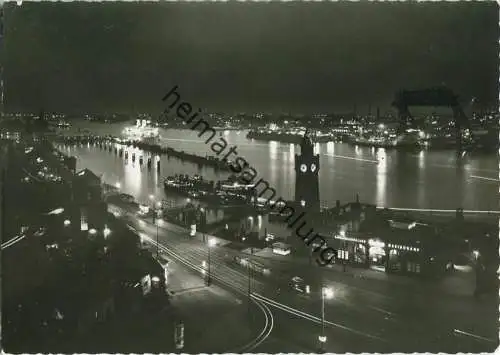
{"type": "Point", "coordinates": [306, 176]}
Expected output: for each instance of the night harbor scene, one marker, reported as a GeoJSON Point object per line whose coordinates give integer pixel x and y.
{"type": "Point", "coordinates": [249, 177]}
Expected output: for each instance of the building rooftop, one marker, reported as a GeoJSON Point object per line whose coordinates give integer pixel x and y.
{"type": "Point", "coordinates": [88, 175]}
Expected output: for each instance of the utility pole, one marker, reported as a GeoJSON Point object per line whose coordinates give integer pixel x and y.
{"type": "Point", "coordinates": [322, 315]}
{"type": "Point", "coordinates": [155, 211]}
{"type": "Point", "coordinates": [208, 279]}
{"type": "Point", "coordinates": [325, 293]}
{"type": "Point", "coordinates": [157, 243]}
{"type": "Point", "coordinates": [249, 283]}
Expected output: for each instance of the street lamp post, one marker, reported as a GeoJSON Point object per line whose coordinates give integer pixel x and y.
{"type": "Point", "coordinates": [152, 198]}
{"type": "Point", "coordinates": [208, 275]}
{"type": "Point", "coordinates": [326, 293]}
{"type": "Point", "coordinates": [249, 285]}
{"type": "Point", "coordinates": [201, 222]}
{"type": "Point", "coordinates": [157, 242]}
{"type": "Point", "coordinates": [249, 279]}
{"type": "Point", "coordinates": [211, 243]}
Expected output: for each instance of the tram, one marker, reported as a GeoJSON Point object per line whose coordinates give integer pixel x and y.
{"type": "Point", "coordinates": [253, 265]}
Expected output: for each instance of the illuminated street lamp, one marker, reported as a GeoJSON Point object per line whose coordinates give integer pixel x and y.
{"type": "Point", "coordinates": [202, 220]}
{"type": "Point", "coordinates": [211, 244]}
{"type": "Point", "coordinates": [326, 293]}
{"type": "Point", "coordinates": [106, 232]}
{"type": "Point", "coordinates": [67, 222]}
{"type": "Point", "coordinates": [476, 254]}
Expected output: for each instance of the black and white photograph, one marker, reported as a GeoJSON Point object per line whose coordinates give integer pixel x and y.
{"type": "Point", "coordinates": [249, 177]}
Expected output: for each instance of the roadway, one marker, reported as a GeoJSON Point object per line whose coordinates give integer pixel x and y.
{"type": "Point", "coordinates": [363, 315]}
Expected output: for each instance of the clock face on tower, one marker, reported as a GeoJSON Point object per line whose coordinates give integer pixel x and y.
{"type": "Point", "coordinates": [313, 167]}
{"type": "Point", "coordinates": [303, 168]}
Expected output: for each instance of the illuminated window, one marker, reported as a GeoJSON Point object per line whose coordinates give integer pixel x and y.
{"type": "Point", "coordinates": [83, 220]}
{"type": "Point", "coordinates": [413, 267]}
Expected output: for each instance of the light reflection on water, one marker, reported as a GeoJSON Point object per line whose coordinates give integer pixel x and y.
{"type": "Point", "coordinates": [381, 176]}
{"type": "Point", "coordinates": [423, 180]}
{"type": "Point", "coordinates": [132, 178]}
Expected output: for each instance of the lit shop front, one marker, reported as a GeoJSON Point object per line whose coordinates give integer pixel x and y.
{"type": "Point", "coordinates": [404, 259]}
{"type": "Point", "coordinates": [377, 254]}
{"type": "Point", "coordinates": [353, 249]}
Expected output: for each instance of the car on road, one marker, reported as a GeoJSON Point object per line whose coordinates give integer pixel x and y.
{"type": "Point", "coordinates": [331, 256]}
{"type": "Point", "coordinates": [462, 263]}
{"type": "Point", "coordinates": [270, 237]}
{"type": "Point", "coordinates": [299, 285]}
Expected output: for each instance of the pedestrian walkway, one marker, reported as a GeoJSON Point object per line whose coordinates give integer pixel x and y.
{"type": "Point", "coordinates": [199, 236]}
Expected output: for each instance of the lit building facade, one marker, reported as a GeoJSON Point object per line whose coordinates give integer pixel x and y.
{"type": "Point", "coordinates": [402, 247]}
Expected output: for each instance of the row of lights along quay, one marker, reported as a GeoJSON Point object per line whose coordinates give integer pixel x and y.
{"type": "Point", "coordinates": [118, 145]}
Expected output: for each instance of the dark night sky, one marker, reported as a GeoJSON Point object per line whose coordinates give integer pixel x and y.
{"type": "Point", "coordinates": [326, 56]}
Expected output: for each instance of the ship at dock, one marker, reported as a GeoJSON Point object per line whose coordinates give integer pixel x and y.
{"type": "Point", "coordinates": [226, 192]}
{"type": "Point", "coordinates": [142, 131]}
{"type": "Point", "coordinates": [289, 137]}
